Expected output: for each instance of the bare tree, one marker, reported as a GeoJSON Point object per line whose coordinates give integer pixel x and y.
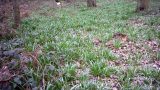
{"type": "Point", "coordinates": [91, 3]}
{"type": "Point", "coordinates": [16, 10]}
{"type": "Point", "coordinates": [142, 5]}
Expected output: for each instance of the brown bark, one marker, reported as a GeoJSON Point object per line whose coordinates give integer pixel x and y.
{"type": "Point", "coordinates": [16, 11]}
{"type": "Point", "coordinates": [54, 4]}
{"type": "Point", "coordinates": [142, 5]}
{"type": "Point", "coordinates": [91, 3]}
{"type": "Point", "coordinates": [3, 11]}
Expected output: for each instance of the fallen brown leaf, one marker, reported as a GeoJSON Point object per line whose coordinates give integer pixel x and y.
{"type": "Point", "coordinates": [96, 41]}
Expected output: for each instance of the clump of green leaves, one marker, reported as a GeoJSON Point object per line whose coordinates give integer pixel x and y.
{"type": "Point", "coordinates": [97, 68]}
{"type": "Point", "coordinates": [70, 72]}
{"type": "Point", "coordinates": [117, 44]}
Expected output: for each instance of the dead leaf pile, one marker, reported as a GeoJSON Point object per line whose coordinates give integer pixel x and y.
{"type": "Point", "coordinates": [24, 10]}
{"type": "Point", "coordinates": [136, 22]}
{"type": "Point", "coordinates": [5, 74]}
{"type": "Point", "coordinates": [130, 49]}
{"type": "Point", "coordinates": [32, 57]}
{"type": "Point", "coordinates": [96, 41]}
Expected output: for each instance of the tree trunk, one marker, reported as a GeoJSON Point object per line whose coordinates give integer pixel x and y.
{"type": "Point", "coordinates": [3, 11]}
{"type": "Point", "coordinates": [91, 3]}
{"type": "Point", "coordinates": [54, 4]}
{"type": "Point", "coordinates": [142, 5]}
{"type": "Point", "coordinates": [16, 13]}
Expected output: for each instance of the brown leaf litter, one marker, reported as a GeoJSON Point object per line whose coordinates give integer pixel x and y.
{"type": "Point", "coordinates": [136, 22]}
{"type": "Point", "coordinates": [5, 74]}
{"type": "Point", "coordinates": [24, 10]}
{"type": "Point", "coordinates": [129, 48]}
{"type": "Point", "coordinates": [27, 57]}
{"type": "Point", "coordinates": [96, 41]}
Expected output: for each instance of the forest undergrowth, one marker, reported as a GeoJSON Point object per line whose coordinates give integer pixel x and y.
{"type": "Point", "coordinates": [79, 48]}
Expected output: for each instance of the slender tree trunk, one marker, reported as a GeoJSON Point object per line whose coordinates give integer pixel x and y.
{"type": "Point", "coordinates": [142, 5]}
{"type": "Point", "coordinates": [3, 11]}
{"type": "Point", "coordinates": [54, 4]}
{"type": "Point", "coordinates": [91, 3]}
{"type": "Point", "coordinates": [16, 13]}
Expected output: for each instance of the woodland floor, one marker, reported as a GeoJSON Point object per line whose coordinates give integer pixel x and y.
{"type": "Point", "coordinates": [80, 48]}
